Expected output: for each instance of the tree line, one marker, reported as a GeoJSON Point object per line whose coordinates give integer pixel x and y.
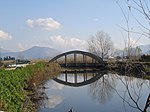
{"type": "Point", "coordinates": [7, 58]}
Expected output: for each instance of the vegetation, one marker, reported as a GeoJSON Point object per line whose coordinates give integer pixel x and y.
{"type": "Point", "coordinates": [13, 83]}
{"type": "Point", "coordinates": [9, 58]}
{"type": "Point", "coordinates": [100, 44]}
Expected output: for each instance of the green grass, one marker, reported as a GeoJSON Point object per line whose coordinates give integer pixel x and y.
{"type": "Point", "coordinates": [12, 84]}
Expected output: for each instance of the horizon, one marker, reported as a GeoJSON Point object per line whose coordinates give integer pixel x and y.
{"type": "Point", "coordinates": [7, 50]}
{"type": "Point", "coordinates": [62, 25]}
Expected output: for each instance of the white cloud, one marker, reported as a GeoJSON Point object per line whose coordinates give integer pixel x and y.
{"type": "Point", "coordinates": [59, 39]}
{"type": "Point", "coordinates": [46, 24]}
{"type": "Point", "coordinates": [68, 43]}
{"type": "Point", "coordinates": [62, 43]}
{"type": "Point", "coordinates": [53, 101]}
{"type": "Point", "coordinates": [23, 46]}
{"type": "Point", "coordinates": [57, 86]}
{"type": "Point", "coordinates": [4, 35]}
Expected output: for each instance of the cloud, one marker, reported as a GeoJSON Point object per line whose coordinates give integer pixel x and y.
{"type": "Point", "coordinates": [57, 86]}
{"type": "Point", "coordinates": [4, 35]}
{"type": "Point", "coordinates": [53, 101]}
{"type": "Point", "coordinates": [23, 46]}
{"type": "Point", "coordinates": [63, 43]}
{"type": "Point", "coordinates": [68, 43]}
{"type": "Point", "coordinates": [46, 24]}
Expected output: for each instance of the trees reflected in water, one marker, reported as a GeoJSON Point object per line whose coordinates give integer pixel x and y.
{"type": "Point", "coordinates": [129, 89]}
{"type": "Point", "coordinates": [133, 92]}
{"type": "Point", "coordinates": [101, 90]}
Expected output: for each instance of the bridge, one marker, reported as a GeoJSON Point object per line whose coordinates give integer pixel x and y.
{"type": "Point", "coordinates": [78, 59]}
{"type": "Point", "coordinates": [79, 78]}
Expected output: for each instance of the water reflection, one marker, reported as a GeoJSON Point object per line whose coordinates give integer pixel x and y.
{"type": "Point", "coordinates": [53, 101]}
{"type": "Point", "coordinates": [86, 91]}
{"type": "Point", "coordinates": [101, 90]}
{"type": "Point", "coordinates": [132, 93]}
{"type": "Point", "coordinates": [78, 78]}
{"type": "Point", "coordinates": [57, 86]}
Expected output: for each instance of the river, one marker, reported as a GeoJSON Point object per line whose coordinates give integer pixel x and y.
{"type": "Point", "coordinates": [95, 91]}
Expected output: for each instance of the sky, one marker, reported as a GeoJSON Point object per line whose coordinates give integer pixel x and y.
{"type": "Point", "coordinates": [60, 24]}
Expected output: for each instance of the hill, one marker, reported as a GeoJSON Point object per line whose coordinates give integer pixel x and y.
{"type": "Point", "coordinates": [35, 52]}
{"type": "Point", "coordinates": [145, 49]}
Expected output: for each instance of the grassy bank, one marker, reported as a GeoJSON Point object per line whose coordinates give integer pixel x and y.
{"type": "Point", "coordinates": [13, 96]}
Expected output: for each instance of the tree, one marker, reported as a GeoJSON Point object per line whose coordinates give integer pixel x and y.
{"type": "Point", "coordinates": [102, 89]}
{"type": "Point", "coordinates": [141, 7]}
{"type": "Point", "coordinates": [137, 17]}
{"type": "Point", "coordinates": [138, 10]}
{"type": "Point", "coordinates": [100, 44]}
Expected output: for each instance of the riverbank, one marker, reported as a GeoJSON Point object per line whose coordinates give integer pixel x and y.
{"type": "Point", "coordinates": [130, 67]}
{"type": "Point", "coordinates": [18, 87]}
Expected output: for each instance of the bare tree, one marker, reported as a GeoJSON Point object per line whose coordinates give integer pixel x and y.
{"type": "Point", "coordinates": [101, 90]}
{"type": "Point", "coordinates": [100, 44]}
{"type": "Point", "coordinates": [137, 12]}
{"type": "Point", "coordinates": [141, 7]}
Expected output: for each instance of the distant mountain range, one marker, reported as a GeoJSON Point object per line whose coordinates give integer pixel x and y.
{"type": "Point", "coordinates": [35, 52]}
{"type": "Point", "coordinates": [145, 50]}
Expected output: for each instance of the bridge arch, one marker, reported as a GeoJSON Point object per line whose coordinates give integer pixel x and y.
{"type": "Point", "coordinates": [75, 53]}
{"type": "Point", "coordinates": [98, 75]}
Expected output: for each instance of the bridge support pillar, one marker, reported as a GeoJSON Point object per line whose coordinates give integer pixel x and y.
{"type": "Point", "coordinates": [92, 60]}
{"type": "Point", "coordinates": [84, 77]}
{"type": "Point", "coordinates": [65, 60]}
{"type": "Point", "coordinates": [86, 61]}
{"type": "Point", "coordinates": [75, 59]}
{"type": "Point", "coordinates": [95, 62]}
{"type": "Point", "coordinates": [83, 58]}
{"type": "Point", "coordinates": [66, 77]}
{"type": "Point", "coordinates": [75, 78]}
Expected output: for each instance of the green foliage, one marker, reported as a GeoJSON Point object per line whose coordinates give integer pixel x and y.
{"type": "Point", "coordinates": [12, 84]}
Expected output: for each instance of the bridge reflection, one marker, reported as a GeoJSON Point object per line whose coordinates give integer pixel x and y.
{"type": "Point", "coordinates": [76, 78]}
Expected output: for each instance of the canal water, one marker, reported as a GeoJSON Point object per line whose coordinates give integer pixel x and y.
{"type": "Point", "coordinates": [95, 91]}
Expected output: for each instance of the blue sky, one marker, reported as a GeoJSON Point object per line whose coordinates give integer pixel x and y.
{"type": "Point", "coordinates": [60, 24]}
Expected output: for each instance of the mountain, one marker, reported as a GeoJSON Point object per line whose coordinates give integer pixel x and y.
{"type": "Point", "coordinates": [35, 52]}
{"type": "Point", "coordinates": [145, 49]}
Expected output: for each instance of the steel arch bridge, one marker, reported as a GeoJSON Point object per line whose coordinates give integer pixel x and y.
{"type": "Point", "coordinates": [76, 74]}
{"type": "Point", "coordinates": [84, 59]}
